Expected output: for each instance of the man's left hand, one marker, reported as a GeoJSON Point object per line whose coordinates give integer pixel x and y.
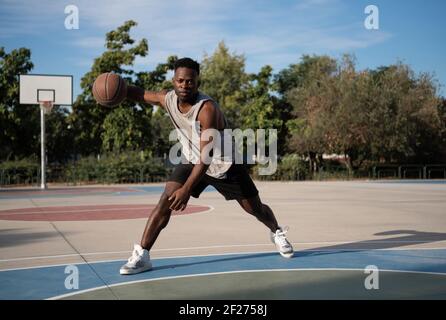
{"type": "Point", "coordinates": [179, 199]}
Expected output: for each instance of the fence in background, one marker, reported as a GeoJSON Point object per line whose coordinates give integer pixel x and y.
{"type": "Point", "coordinates": [60, 174]}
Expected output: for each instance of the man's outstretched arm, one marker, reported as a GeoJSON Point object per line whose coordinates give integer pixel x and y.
{"type": "Point", "coordinates": [208, 120]}
{"type": "Point", "coordinates": [143, 96]}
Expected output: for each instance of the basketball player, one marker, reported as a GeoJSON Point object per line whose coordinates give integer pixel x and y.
{"type": "Point", "coordinates": [185, 106]}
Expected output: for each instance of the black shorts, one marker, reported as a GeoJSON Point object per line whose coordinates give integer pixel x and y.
{"type": "Point", "coordinates": [237, 184]}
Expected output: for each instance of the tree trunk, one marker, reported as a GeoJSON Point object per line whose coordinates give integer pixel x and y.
{"type": "Point", "coordinates": [348, 164]}
{"type": "Point", "coordinates": [312, 157]}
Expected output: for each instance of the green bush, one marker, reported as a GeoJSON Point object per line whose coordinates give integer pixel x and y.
{"type": "Point", "coordinates": [332, 175]}
{"type": "Point", "coordinates": [19, 171]}
{"type": "Point", "coordinates": [292, 167]}
{"type": "Point", "coordinates": [129, 167]}
{"type": "Point", "coordinates": [289, 167]}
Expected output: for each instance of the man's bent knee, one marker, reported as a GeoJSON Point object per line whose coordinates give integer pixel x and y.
{"type": "Point", "coordinates": [164, 202]}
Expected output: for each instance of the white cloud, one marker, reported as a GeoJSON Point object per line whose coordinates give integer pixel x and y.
{"type": "Point", "coordinates": [18, 17]}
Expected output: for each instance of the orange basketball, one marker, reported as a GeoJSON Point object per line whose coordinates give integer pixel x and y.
{"type": "Point", "coordinates": [109, 89]}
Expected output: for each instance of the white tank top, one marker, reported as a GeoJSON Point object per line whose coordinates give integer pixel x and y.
{"type": "Point", "coordinates": [188, 132]}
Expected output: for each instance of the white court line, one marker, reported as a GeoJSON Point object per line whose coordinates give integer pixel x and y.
{"type": "Point", "coordinates": [237, 246]}
{"type": "Point", "coordinates": [214, 255]}
{"type": "Point", "coordinates": [211, 208]}
{"type": "Point", "coordinates": [232, 246]}
{"type": "Point", "coordinates": [128, 251]}
{"type": "Point", "coordinates": [2, 213]}
{"type": "Point", "coordinates": [114, 260]}
{"type": "Point", "coordinates": [229, 272]}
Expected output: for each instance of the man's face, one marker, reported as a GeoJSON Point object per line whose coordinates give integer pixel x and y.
{"type": "Point", "coordinates": [185, 83]}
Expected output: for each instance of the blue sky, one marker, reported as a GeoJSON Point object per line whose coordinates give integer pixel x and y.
{"type": "Point", "coordinates": [266, 32]}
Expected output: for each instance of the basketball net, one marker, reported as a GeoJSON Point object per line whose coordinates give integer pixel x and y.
{"type": "Point", "coordinates": [46, 106]}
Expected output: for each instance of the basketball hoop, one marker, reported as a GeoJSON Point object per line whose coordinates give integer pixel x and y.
{"type": "Point", "coordinates": [46, 106]}
{"type": "Point", "coordinates": [47, 91]}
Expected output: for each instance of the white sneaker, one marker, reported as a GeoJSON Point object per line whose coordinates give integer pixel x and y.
{"type": "Point", "coordinates": [282, 244]}
{"type": "Point", "coordinates": [138, 262]}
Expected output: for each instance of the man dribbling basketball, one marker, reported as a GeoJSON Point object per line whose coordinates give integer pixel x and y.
{"type": "Point", "coordinates": [186, 106]}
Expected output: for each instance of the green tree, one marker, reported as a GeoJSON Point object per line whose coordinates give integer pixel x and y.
{"type": "Point", "coordinates": [88, 118]}
{"type": "Point", "coordinates": [389, 114]}
{"type": "Point", "coordinates": [19, 124]}
{"type": "Point", "coordinates": [223, 78]}
{"type": "Point", "coordinates": [405, 119]}
{"type": "Point", "coordinates": [123, 129]}
{"type": "Point", "coordinates": [442, 143]}
{"type": "Point", "coordinates": [347, 127]}
{"type": "Point", "coordinates": [160, 125]}
{"type": "Point", "coordinates": [59, 136]}
{"type": "Point", "coordinates": [156, 79]}
{"type": "Point", "coordinates": [134, 127]}
{"type": "Point", "coordinates": [302, 87]}
{"type": "Point", "coordinates": [161, 128]}
{"type": "Point", "coordinates": [307, 70]}
{"type": "Point", "coordinates": [258, 111]}
{"type": "Point", "coordinates": [286, 83]}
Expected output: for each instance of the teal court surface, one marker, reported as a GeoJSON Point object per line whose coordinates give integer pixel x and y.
{"type": "Point", "coordinates": [352, 240]}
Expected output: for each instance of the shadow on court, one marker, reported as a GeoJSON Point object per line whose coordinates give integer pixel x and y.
{"type": "Point", "coordinates": [213, 260]}
{"type": "Point", "coordinates": [16, 237]}
{"type": "Point", "coordinates": [409, 237]}
{"type": "Point", "coordinates": [406, 238]}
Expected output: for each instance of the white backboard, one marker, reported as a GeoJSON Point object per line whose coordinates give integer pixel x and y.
{"type": "Point", "coordinates": [35, 88]}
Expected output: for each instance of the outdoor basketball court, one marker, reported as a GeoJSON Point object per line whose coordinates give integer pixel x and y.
{"type": "Point", "coordinates": [342, 232]}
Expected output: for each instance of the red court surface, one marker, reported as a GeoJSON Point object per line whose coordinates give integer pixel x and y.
{"type": "Point", "coordinates": [94, 212]}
